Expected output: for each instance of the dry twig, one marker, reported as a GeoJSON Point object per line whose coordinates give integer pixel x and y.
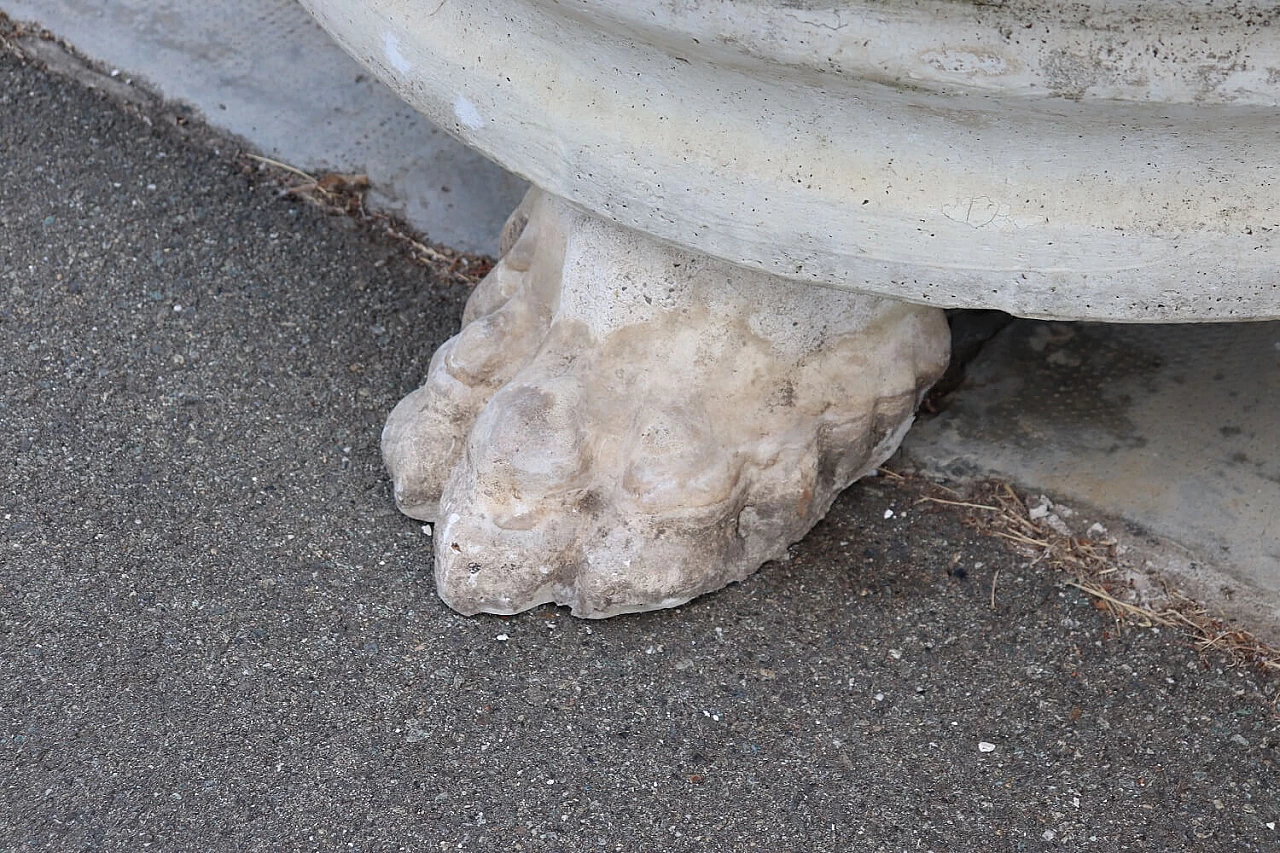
{"type": "Point", "coordinates": [957, 503]}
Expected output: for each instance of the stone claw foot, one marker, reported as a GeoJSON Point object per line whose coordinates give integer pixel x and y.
{"type": "Point", "coordinates": [622, 425]}
{"type": "Point", "coordinates": [505, 321]}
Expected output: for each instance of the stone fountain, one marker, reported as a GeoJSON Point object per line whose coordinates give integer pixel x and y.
{"type": "Point", "coordinates": [723, 299]}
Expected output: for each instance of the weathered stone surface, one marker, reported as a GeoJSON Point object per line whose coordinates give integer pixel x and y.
{"type": "Point", "coordinates": [622, 425]}
{"type": "Point", "coordinates": [1118, 163]}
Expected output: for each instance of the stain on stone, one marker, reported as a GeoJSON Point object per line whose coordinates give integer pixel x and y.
{"type": "Point", "coordinates": [590, 504]}
{"type": "Point", "coordinates": [784, 396]}
{"type": "Point", "coordinates": [1070, 75]}
{"type": "Point", "coordinates": [1077, 384]}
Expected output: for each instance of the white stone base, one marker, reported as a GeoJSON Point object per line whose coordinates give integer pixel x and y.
{"type": "Point", "coordinates": [622, 425]}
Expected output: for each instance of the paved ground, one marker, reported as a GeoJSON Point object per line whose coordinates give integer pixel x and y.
{"type": "Point", "coordinates": [263, 70]}
{"type": "Point", "coordinates": [216, 633]}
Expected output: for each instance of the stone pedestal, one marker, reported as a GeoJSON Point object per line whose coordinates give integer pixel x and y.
{"type": "Point", "coordinates": [622, 425]}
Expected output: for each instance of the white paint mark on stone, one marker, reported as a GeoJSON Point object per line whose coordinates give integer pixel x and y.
{"type": "Point", "coordinates": [391, 47]}
{"type": "Point", "coordinates": [466, 112]}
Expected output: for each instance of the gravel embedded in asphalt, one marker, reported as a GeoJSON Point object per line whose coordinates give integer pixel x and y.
{"type": "Point", "coordinates": [216, 633]}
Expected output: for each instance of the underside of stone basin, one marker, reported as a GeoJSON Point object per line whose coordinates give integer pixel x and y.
{"type": "Point", "coordinates": [1106, 161]}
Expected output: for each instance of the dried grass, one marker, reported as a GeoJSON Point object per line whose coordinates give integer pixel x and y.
{"type": "Point", "coordinates": [11, 32]}
{"type": "Point", "coordinates": [344, 194]}
{"type": "Point", "coordinates": [1095, 568]}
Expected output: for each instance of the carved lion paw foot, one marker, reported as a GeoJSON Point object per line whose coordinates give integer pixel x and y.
{"type": "Point", "coordinates": [622, 425]}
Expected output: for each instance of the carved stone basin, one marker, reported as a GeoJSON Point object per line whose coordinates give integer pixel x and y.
{"type": "Point", "coordinates": [647, 400]}
{"type": "Point", "coordinates": [1106, 160]}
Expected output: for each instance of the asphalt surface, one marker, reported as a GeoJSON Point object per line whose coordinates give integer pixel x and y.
{"type": "Point", "coordinates": [217, 634]}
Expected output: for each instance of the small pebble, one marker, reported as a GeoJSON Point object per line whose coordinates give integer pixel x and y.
{"type": "Point", "coordinates": [983, 746]}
